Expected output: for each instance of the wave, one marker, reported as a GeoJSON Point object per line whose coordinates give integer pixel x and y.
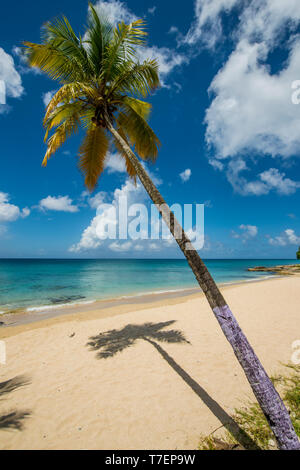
{"type": "Point", "coordinates": [53, 307]}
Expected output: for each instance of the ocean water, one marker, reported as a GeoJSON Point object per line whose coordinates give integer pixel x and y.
{"type": "Point", "coordinates": [36, 284]}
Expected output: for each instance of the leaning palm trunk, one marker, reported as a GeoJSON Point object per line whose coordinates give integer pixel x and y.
{"type": "Point", "coordinates": [267, 397]}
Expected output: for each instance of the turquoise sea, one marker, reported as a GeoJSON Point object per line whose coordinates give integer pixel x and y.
{"type": "Point", "coordinates": [33, 284]}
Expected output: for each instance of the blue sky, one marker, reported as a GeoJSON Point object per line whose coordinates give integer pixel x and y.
{"type": "Point", "coordinates": [224, 112]}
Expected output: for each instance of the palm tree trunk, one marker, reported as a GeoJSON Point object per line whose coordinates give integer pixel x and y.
{"type": "Point", "coordinates": [267, 397]}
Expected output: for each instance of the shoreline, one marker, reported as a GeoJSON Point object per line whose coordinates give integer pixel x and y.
{"type": "Point", "coordinates": [18, 322]}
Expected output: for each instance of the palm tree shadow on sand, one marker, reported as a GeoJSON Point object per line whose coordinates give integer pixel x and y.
{"type": "Point", "coordinates": [14, 419]}
{"type": "Point", "coordinates": [109, 343]}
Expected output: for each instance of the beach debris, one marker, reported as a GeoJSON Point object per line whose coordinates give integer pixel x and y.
{"type": "Point", "coordinates": [72, 335]}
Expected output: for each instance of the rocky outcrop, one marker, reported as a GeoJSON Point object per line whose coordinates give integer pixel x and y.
{"type": "Point", "coordinates": [283, 270]}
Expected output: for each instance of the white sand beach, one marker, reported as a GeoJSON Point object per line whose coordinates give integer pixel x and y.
{"type": "Point", "coordinates": [153, 394]}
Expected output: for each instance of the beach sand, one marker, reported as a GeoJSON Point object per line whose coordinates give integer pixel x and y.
{"type": "Point", "coordinates": [152, 394]}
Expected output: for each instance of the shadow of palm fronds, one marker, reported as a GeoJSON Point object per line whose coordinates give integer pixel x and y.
{"type": "Point", "coordinates": [13, 419]}
{"type": "Point", "coordinates": [114, 341]}
{"type": "Point", "coordinates": [13, 384]}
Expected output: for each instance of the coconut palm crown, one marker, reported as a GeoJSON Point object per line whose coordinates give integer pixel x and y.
{"type": "Point", "coordinates": [101, 79]}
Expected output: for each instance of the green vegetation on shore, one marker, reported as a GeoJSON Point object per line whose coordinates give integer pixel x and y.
{"type": "Point", "coordinates": [254, 424]}
{"type": "Point", "coordinates": [298, 253]}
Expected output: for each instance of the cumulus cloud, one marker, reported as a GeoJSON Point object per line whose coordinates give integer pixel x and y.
{"type": "Point", "coordinates": [104, 230]}
{"type": "Point", "coordinates": [10, 212]}
{"type": "Point", "coordinates": [269, 180]}
{"type": "Point", "coordinates": [246, 232]}
{"type": "Point", "coordinates": [115, 163]}
{"type": "Point", "coordinates": [93, 236]}
{"type": "Point", "coordinates": [121, 247]}
{"type": "Point", "coordinates": [59, 204]}
{"type": "Point", "coordinates": [10, 78]}
{"type": "Point", "coordinates": [115, 11]}
{"type": "Point", "coordinates": [288, 237]}
{"type": "Point", "coordinates": [185, 175]}
{"type": "Point", "coordinates": [207, 26]}
{"type": "Point", "coordinates": [251, 110]}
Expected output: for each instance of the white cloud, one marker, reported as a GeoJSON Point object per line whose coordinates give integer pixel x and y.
{"type": "Point", "coordinates": [216, 164]}
{"type": "Point", "coordinates": [47, 97]}
{"type": "Point", "coordinates": [106, 219]}
{"type": "Point", "coordinates": [91, 237]}
{"type": "Point", "coordinates": [246, 232]}
{"type": "Point", "coordinates": [276, 180]}
{"type": "Point", "coordinates": [115, 11]}
{"type": "Point", "coordinates": [11, 78]}
{"type": "Point", "coordinates": [121, 247]}
{"type": "Point", "coordinates": [249, 230]}
{"type": "Point", "coordinates": [265, 20]}
{"type": "Point", "coordinates": [10, 212]}
{"type": "Point", "coordinates": [115, 163]}
{"type": "Point", "coordinates": [287, 238]}
{"type": "Point", "coordinates": [251, 110]}
{"type": "Point", "coordinates": [59, 204]}
{"type": "Point", "coordinates": [185, 175]}
{"type": "Point", "coordinates": [207, 26]}
{"type": "Point", "coordinates": [24, 67]}
{"type": "Point", "coordinates": [259, 20]}
{"type": "Point", "coordinates": [96, 200]}
{"type": "Point", "coordinates": [269, 180]}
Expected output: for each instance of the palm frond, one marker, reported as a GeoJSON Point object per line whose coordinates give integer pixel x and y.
{"type": "Point", "coordinates": [138, 131]}
{"type": "Point", "coordinates": [123, 47]}
{"type": "Point", "coordinates": [74, 91]}
{"type": "Point", "coordinates": [101, 77]}
{"type": "Point", "coordinates": [136, 79]}
{"type": "Point", "coordinates": [52, 61]}
{"type": "Point", "coordinates": [59, 33]}
{"type": "Point", "coordinates": [61, 54]}
{"type": "Point", "coordinates": [129, 167]}
{"type": "Point", "coordinates": [98, 36]}
{"type": "Point", "coordinates": [63, 113]}
{"type": "Point", "coordinates": [92, 155]}
{"type": "Point", "coordinates": [67, 128]}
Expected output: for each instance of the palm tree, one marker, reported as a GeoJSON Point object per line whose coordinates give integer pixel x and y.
{"type": "Point", "coordinates": [102, 89]}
